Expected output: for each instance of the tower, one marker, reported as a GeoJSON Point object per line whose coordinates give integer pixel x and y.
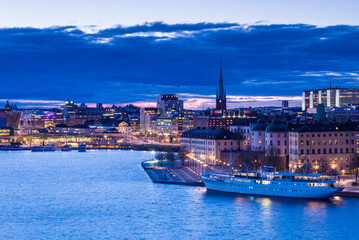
{"type": "Point", "coordinates": [221, 93]}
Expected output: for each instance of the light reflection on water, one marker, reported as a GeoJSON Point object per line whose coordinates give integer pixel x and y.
{"type": "Point", "coordinates": [106, 194]}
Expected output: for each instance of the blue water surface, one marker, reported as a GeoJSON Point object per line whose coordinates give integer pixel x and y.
{"type": "Point", "coordinates": [107, 195]}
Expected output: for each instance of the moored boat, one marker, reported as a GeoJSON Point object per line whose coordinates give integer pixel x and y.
{"type": "Point", "coordinates": [82, 147]}
{"type": "Point", "coordinates": [66, 148]}
{"type": "Point", "coordinates": [267, 182]}
{"type": "Point", "coordinates": [49, 148]}
{"type": "Point", "coordinates": [37, 149]}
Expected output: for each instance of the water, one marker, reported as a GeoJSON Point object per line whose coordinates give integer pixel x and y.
{"type": "Point", "coordinates": [107, 195]}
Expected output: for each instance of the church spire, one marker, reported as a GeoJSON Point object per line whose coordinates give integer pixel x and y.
{"type": "Point", "coordinates": [221, 92]}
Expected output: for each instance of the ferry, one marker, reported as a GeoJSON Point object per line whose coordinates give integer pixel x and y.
{"type": "Point", "coordinates": [267, 182]}
{"type": "Point", "coordinates": [44, 148]}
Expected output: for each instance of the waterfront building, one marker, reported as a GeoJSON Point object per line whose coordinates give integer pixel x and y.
{"type": "Point", "coordinates": [323, 144]}
{"type": "Point", "coordinates": [207, 144]}
{"type": "Point", "coordinates": [331, 97]}
{"type": "Point", "coordinates": [168, 103]}
{"type": "Point", "coordinates": [276, 143]}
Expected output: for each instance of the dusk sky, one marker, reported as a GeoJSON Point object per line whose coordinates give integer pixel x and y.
{"type": "Point", "coordinates": [129, 51]}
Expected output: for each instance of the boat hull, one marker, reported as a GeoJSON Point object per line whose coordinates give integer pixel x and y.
{"type": "Point", "coordinates": [273, 190]}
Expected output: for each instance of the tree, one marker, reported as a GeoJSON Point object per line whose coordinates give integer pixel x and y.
{"type": "Point", "coordinates": [160, 157]}
{"type": "Point", "coordinates": [354, 165]}
{"type": "Point", "coordinates": [273, 158]}
{"type": "Point", "coordinates": [170, 156]}
{"type": "Point", "coordinates": [323, 165]}
{"type": "Point", "coordinates": [182, 155]}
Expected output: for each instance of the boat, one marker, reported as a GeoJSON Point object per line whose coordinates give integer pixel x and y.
{"type": "Point", "coordinates": [37, 149]}
{"type": "Point", "coordinates": [66, 148]}
{"type": "Point", "coordinates": [82, 147]}
{"type": "Point", "coordinates": [49, 148]}
{"type": "Point", "coordinates": [268, 182]}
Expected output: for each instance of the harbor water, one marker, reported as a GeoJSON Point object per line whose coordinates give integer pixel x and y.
{"type": "Point", "coordinates": [104, 194]}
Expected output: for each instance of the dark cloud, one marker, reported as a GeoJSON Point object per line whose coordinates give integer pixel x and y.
{"type": "Point", "coordinates": [130, 64]}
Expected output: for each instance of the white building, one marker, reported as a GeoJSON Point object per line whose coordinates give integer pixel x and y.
{"type": "Point", "coordinates": [258, 135]}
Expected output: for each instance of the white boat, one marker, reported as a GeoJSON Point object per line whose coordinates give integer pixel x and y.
{"type": "Point", "coordinates": [267, 182]}
{"type": "Point", "coordinates": [82, 147]}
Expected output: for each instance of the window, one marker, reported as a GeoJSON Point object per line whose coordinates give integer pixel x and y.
{"type": "Point", "coordinates": [336, 142]}
{"type": "Point", "coordinates": [301, 143]}
{"type": "Point", "coordinates": [330, 150]}
{"type": "Point", "coordinates": [313, 142]}
{"type": "Point", "coordinates": [301, 151]}
{"type": "Point", "coordinates": [318, 151]}
{"type": "Point", "coordinates": [313, 151]}
{"type": "Point", "coordinates": [324, 142]}
{"type": "Point", "coordinates": [341, 150]}
{"type": "Point", "coordinates": [278, 143]}
{"type": "Point", "coordinates": [330, 142]}
{"type": "Point", "coordinates": [324, 151]}
{"type": "Point", "coordinates": [260, 140]}
{"type": "Point", "coordinates": [347, 150]}
{"type": "Point", "coordinates": [336, 150]}
{"type": "Point", "coordinates": [341, 141]}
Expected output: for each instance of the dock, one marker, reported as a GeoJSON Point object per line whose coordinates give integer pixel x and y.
{"type": "Point", "coordinates": [172, 175]}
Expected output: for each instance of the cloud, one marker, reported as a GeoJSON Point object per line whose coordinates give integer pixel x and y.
{"type": "Point", "coordinates": [134, 64]}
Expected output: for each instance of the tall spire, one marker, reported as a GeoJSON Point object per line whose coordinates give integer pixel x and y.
{"type": "Point", "coordinates": [221, 93]}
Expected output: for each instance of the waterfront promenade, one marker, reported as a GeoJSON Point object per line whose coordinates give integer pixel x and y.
{"type": "Point", "coordinates": [172, 175]}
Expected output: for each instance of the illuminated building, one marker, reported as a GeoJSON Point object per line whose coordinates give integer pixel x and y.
{"type": "Point", "coordinates": [68, 108]}
{"type": "Point", "coordinates": [169, 103]}
{"type": "Point", "coordinates": [258, 135]}
{"type": "Point", "coordinates": [207, 144]}
{"type": "Point", "coordinates": [331, 97]}
{"type": "Point", "coordinates": [124, 128]}
{"type": "Point", "coordinates": [147, 115]}
{"type": "Point", "coordinates": [220, 122]}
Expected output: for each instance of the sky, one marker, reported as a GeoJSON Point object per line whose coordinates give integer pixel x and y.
{"type": "Point", "coordinates": [129, 51]}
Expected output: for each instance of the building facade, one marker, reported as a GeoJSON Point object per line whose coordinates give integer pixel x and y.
{"type": "Point", "coordinates": [207, 144]}
{"type": "Point", "coordinates": [169, 103]}
{"type": "Point", "coordinates": [330, 97]}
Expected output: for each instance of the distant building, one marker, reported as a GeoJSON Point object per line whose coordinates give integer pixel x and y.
{"type": "Point", "coordinates": [330, 97]}
{"type": "Point", "coordinates": [124, 128]}
{"type": "Point", "coordinates": [221, 99]}
{"type": "Point", "coordinates": [147, 115]}
{"type": "Point", "coordinates": [207, 144]}
{"type": "Point", "coordinates": [285, 104]}
{"type": "Point", "coordinates": [169, 102]}
{"type": "Point", "coordinates": [68, 108]}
